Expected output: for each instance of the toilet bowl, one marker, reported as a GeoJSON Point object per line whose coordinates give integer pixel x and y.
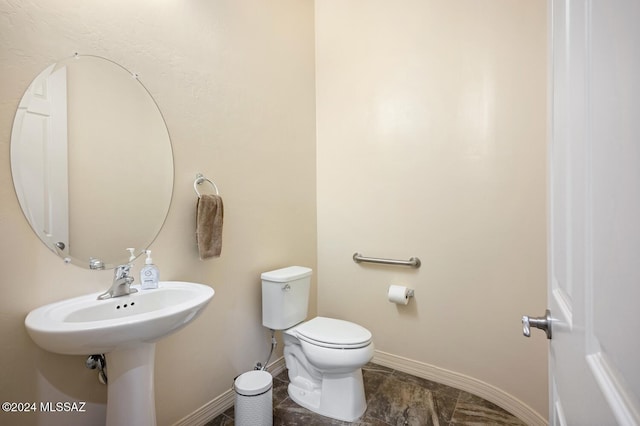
{"type": "Point", "coordinates": [324, 357]}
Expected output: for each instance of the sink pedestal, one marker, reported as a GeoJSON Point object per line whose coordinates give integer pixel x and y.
{"type": "Point", "coordinates": [130, 390]}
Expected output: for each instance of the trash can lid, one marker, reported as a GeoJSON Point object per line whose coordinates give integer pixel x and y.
{"type": "Point", "coordinates": [253, 383]}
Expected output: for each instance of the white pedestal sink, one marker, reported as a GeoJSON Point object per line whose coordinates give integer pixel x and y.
{"type": "Point", "coordinates": [125, 329]}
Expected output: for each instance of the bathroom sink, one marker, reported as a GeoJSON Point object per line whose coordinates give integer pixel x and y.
{"type": "Point", "coordinates": [85, 326]}
{"type": "Point", "coordinates": [125, 329]}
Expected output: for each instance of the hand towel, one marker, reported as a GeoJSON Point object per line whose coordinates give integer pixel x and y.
{"type": "Point", "coordinates": [209, 216]}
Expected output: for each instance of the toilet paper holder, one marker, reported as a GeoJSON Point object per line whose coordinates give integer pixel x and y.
{"type": "Point", "coordinates": [400, 294]}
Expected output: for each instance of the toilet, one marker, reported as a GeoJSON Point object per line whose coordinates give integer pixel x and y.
{"type": "Point", "coordinates": [324, 356]}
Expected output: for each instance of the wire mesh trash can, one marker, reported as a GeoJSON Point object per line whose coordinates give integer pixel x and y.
{"type": "Point", "coordinates": [254, 399]}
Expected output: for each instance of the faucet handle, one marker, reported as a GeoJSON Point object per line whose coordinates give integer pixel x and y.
{"type": "Point", "coordinates": [121, 271]}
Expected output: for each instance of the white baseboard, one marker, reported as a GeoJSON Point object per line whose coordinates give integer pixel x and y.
{"type": "Point", "coordinates": [465, 383]}
{"type": "Point", "coordinates": [222, 403]}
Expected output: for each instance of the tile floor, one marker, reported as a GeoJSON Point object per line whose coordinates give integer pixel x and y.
{"type": "Point", "coordinates": [393, 398]}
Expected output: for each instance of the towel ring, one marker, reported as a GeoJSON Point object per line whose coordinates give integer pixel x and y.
{"type": "Point", "coordinates": [201, 178]}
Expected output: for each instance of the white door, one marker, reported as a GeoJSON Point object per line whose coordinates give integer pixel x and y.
{"type": "Point", "coordinates": [39, 157]}
{"type": "Point", "coordinates": [594, 212]}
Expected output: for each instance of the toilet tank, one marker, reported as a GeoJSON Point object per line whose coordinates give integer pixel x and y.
{"type": "Point", "coordinates": [285, 297]}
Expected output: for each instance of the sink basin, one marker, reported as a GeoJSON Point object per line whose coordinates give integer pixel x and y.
{"type": "Point", "coordinates": [125, 329]}
{"type": "Point", "coordinates": [85, 326]}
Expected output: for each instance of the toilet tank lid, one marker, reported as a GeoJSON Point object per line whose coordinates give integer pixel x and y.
{"type": "Point", "coordinates": [286, 274]}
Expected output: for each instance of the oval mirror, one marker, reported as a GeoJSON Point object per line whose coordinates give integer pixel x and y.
{"type": "Point", "coordinates": [91, 161]}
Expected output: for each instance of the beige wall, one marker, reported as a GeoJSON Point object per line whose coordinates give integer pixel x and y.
{"type": "Point", "coordinates": [431, 143]}
{"type": "Point", "coordinates": [235, 83]}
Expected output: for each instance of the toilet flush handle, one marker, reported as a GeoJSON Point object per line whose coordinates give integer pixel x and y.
{"type": "Point", "coordinates": [286, 287]}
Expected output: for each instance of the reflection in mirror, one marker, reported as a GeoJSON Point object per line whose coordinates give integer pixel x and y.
{"type": "Point", "coordinates": [91, 161]}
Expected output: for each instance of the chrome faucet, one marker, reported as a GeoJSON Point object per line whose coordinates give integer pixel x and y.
{"type": "Point", "coordinates": [121, 283]}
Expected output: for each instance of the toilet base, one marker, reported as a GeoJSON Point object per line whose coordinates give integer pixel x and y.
{"type": "Point", "coordinates": [341, 396]}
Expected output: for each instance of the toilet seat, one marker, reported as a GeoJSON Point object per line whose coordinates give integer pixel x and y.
{"type": "Point", "coordinates": [333, 333]}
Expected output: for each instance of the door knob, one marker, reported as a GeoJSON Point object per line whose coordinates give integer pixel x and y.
{"type": "Point", "coordinates": [543, 323]}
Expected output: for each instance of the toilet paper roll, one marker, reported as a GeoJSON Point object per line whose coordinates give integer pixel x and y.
{"type": "Point", "coordinates": [398, 294]}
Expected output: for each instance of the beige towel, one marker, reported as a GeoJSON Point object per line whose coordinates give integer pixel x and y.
{"type": "Point", "coordinates": [209, 215]}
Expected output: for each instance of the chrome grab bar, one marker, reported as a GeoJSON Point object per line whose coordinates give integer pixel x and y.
{"type": "Point", "coordinates": [414, 262]}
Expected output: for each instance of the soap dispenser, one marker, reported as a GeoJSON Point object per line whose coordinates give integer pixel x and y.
{"type": "Point", "coordinates": [149, 275]}
{"type": "Point", "coordinates": [132, 255]}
